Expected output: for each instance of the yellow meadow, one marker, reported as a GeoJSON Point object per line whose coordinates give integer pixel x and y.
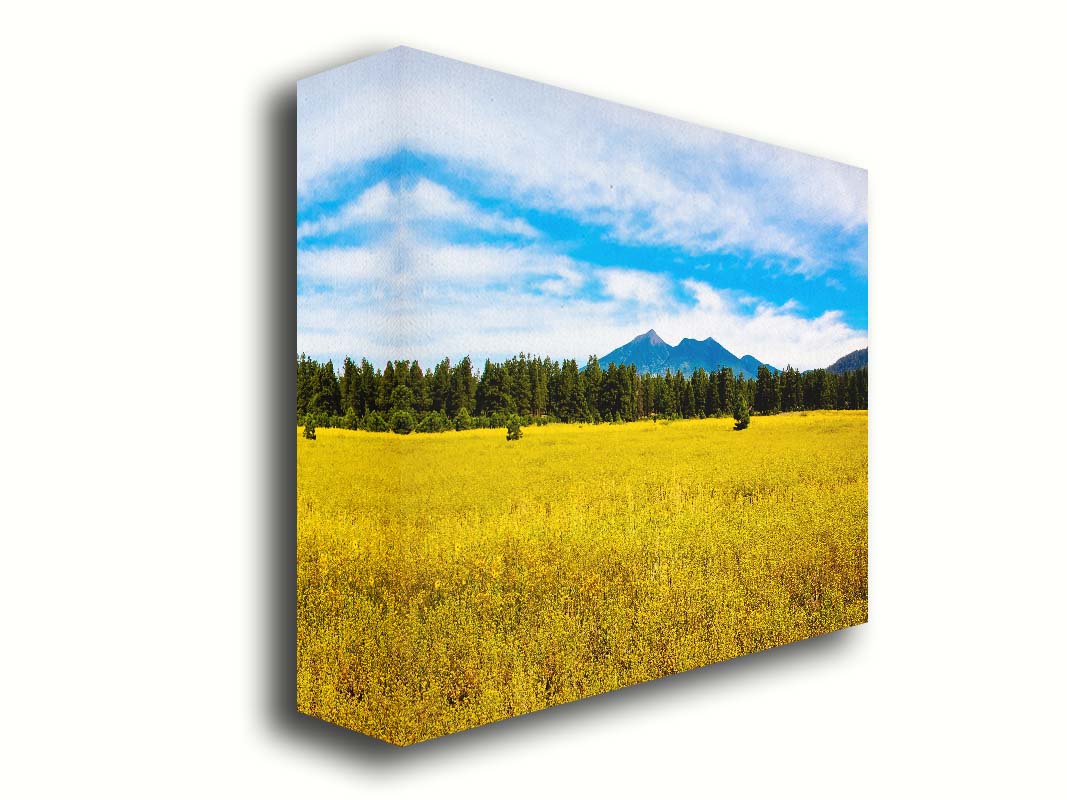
{"type": "Point", "coordinates": [450, 580]}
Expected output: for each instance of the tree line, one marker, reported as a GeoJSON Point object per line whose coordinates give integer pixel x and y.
{"type": "Point", "coordinates": [403, 397]}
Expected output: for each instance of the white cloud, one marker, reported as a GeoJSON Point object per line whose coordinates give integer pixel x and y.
{"type": "Point", "coordinates": [566, 282]}
{"type": "Point", "coordinates": [376, 204]}
{"type": "Point", "coordinates": [429, 200]}
{"type": "Point", "coordinates": [427, 300]}
{"type": "Point", "coordinates": [648, 179]}
{"type": "Point", "coordinates": [425, 201]}
{"type": "Point", "coordinates": [345, 266]}
{"type": "Point", "coordinates": [404, 261]}
{"type": "Point", "coordinates": [777, 334]}
{"type": "Point", "coordinates": [346, 116]}
{"type": "Point", "coordinates": [647, 288]}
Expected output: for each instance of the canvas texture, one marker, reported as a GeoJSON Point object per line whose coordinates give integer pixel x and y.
{"type": "Point", "coordinates": [581, 396]}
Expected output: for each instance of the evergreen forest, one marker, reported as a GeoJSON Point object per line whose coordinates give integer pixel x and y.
{"type": "Point", "coordinates": [403, 397]}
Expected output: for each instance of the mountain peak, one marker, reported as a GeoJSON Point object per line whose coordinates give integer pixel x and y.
{"type": "Point", "coordinates": [649, 336]}
{"type": "Point", "coordinates": [649, 353]}
{"type": "Point", "coordinates": [857, 359]}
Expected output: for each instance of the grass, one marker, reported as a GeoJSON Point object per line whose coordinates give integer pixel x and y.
{"type": "Point", "coordinates": [450, 580]}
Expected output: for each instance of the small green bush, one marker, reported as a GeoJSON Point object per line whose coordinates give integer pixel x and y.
{"type": "Point", "coordinates": [375, 422]}
{"type": "Point", "coordinates": [740, 414]}
{"type": "Point", "coordinates": [514, 426]}
{"type": "Point", "coordinates": [433, 422]}
{"type": "Point", "coordinates": [401, 422]}
{"type": "Point", "coordinates": [463, 420]}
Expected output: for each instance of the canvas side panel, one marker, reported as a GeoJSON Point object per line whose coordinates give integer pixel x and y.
{"type": "Point", "coordinates": [347, 173]}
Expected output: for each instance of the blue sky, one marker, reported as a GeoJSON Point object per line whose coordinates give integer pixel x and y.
{"type": "Point", "coordinates": [446, 210]}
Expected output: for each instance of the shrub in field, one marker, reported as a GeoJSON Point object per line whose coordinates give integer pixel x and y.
{"type": "Point", "coordinates": [309, 426]}
{"type": "Point", "coordinates": [375, 422]}
{"type": "Point", "coordinates": [401, 422]}
{"type": "Point", "coordinates": [463, 420]}
{"type": "Point", "coordinates": [740, 414]}
{"type": "Point", "coordinates": [514, 428]}
{"type": "Point", "coordinates": [433, 422]}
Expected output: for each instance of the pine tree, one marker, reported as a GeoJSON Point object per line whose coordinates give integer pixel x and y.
{"type": "Point", "coordinates": [514, 428]}
{"type": "Point", "coordinates": [627, 393]}
{"type": "Point", "coordinates": [463, 420]}
{"type": "Point", "coordinates": [644, 396]}
{"type": "Point", "coordinates": [727, 390]}
{"type": "Point", "coordinates": [683, 393]}
{"type": "Point", "coordinates": [329, 391]}
{"type": "Point", "coordinates": [351, 420]}
{"type": "Point", "coordinates": [711, 396]}
{"type": "Point", "coordinates": [402, 372]}
{"type": "Point", "coordinates": [402, 399]}
{"type": "Point", "coordinates": [592, 380]}
{"type": "Point", "coordinates": [461, 392]}
{"type": "Point", "coordinates": [442, 385]}
{"type": "Point", "coordinates": [538, 388]}
{"type": "Point", "coordinates": [740, 412]}
{"type": "Point", "coordinates": [766, 392]}
{"type": "Point", "coordinates": [349, 385]}
{"type": "Point", "coordinates": [424, 401]}
{"type": "Point", "coordinates": [792, 397]}
{"type": "Point", "coordinates": [417, 384]}
{"type": "Point", "coordinates": [572, 406]}
{"type": "Point", "coordinates": [307, 372]}
{"type": "Point", "coordinates": [521, 387]}
{"type": "Point", "coordinates": [368, 388]}
{"type": "Point", "coordinates": [611, 392]}
{"type": "Point", "coordinates": [386, 384]}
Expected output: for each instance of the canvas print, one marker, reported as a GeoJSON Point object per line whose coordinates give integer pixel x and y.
{"type": "Point", "coordinates": [581, 396]}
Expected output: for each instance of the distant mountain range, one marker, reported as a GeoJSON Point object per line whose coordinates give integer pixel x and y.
{"type": "Point", "coordinates": [857, 359]}
{"type": "Point", "coordinates": [649, 353]}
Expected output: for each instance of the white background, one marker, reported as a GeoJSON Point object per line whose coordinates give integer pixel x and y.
{"type": "Point", "coordinates": [148, 328]}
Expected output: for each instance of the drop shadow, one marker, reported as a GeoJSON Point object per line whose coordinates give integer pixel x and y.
{"type": "Point", "coordinates": [277, 332]}
{"type": "Point", "coordinates": [277, 511]}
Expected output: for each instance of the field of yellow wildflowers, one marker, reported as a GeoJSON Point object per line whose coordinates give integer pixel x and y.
{"type": "Point", "coordinates": [450, 580]}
